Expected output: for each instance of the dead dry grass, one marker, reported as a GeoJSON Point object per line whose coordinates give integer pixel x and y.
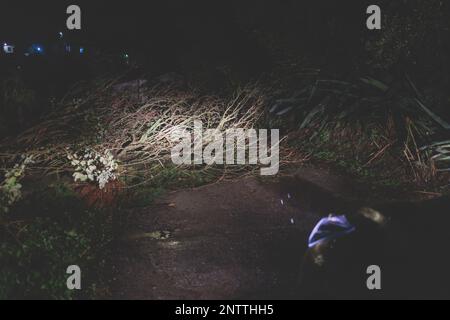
{"type": "Point", "coordinates": [137, 125]}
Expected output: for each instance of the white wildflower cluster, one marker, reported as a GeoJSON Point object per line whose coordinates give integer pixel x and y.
{"type": "Point", "coordinates": [93, 166]}
{"type": "Point", "coordinates": [10, 188]}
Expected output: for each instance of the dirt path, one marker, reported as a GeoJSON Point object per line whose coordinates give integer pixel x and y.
{"type": "Point", "coordinates": [231, 240]}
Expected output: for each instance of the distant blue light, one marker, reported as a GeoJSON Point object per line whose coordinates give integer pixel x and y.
{"type": "Point", "coordinates": [81, 50]}
{"type": "Point", "coordinates": [37, 49]}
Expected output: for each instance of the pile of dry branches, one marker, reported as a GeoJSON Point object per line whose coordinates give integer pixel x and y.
{"type": "Point", "coordinates": [136, 124]}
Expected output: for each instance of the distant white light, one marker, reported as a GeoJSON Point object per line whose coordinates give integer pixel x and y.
{"type": "Point", "coordinates": [61, 34]}
{"type": "Point", "coordinates": [8, 49]}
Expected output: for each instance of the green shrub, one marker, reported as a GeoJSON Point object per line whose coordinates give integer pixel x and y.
{"type": "Point", "coordinates": [10, 188]}
{"type": "Point", "coordinates": [35, 254]}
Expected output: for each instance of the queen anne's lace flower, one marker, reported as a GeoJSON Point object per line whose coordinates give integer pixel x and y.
{"type": "Point", "coordinates": [93, 166]}
{"type": "Point", "coordinates": [10, 187]}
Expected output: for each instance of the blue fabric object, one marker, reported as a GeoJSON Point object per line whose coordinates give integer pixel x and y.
{"type": "Point", "coordinates": [330, 228]}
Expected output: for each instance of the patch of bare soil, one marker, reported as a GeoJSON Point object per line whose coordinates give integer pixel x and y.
{"type": "Point", "coordinates": [241, 239]}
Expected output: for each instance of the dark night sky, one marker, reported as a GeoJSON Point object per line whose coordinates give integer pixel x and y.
{"type": "Point", "coordinates": [166, 29]}
{"type": "Point", "coordinates": [133, 20]}
{"type": "Point", "coordinates": [108, 22]}
{"type": "Point", "coordinates": [158, 26]}
{"type": "Point", "coordinates": [102, 21]}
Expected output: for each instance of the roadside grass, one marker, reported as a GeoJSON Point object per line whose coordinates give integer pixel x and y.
{"type": "Point", "coordinates": [46, 232]}
{"type": "Point", "coordinates": [372, 156]}
{"type": "Point", "coordinates": [385, 132]}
